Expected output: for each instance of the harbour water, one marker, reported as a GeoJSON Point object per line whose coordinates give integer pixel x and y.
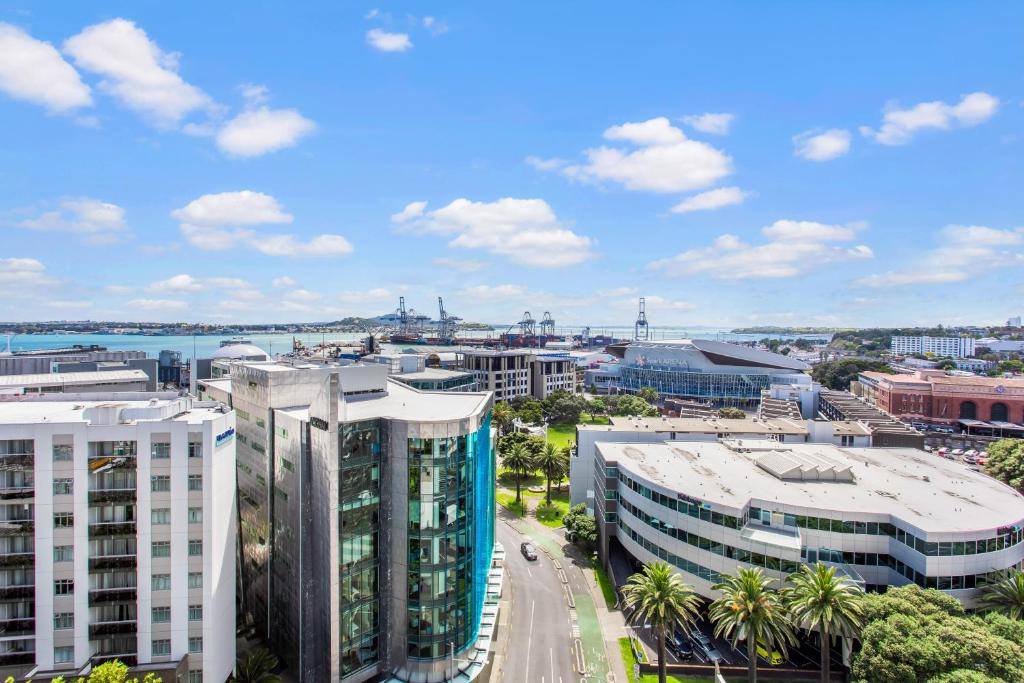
{"type": "Point", "coordinates": [204, 346]}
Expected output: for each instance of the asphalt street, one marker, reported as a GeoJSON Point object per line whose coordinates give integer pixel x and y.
{"type": "Point", "coordinates": [540, 648]}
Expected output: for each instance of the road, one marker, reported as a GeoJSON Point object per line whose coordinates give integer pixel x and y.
{"type": "Point", "coordinates": [540, 646]}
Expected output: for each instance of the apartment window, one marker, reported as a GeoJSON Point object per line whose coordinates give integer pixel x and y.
{"type": "Point", "coordinates": [161, 648]}
{"type": "Point", "coordinates": [195, 450]}
{"type": "Point", "coordinates": [195, 548]}
{"type": "Point", "coordinates": [195, 646]}
{"type": "Point", "coordinates": [161, 482]}
{"type": "Point", "coordinates": [64, 587]}
{"type": "Point", "coordinates": [195, 676]}
{"type": "Point", "coordinates": [195, 482]}
{"type": "Point", "coordinates": [161, 615]}
{"type": "Point", "coordinates": [161, 548]}
{"type": "Point", "coordinates": [63, 487]}
{"type": "Point", "coordinates": [260, 422]}
{"type": "Point", "coordinates": [161, 516]}
{"type": "Point", "coordinates": [161, 582]}
{"type": "Point", "coordinates": [63, 520]}
{"type": "Point", "coordinates": [195, 579]}
{"type": "Point", "coordinates": [63, 553]}
{"type": "Point", "coordinates": [63, 655]}
{"type": "Point", "coordinates": [161, 451]}
{"type": "Point", "coordinates": [195, 515]}
{"type": "Point", "coordinates": [195, 612]}
{"type": "Point", "coordinates": [63, 620]}
{"type": "Point", "coordinates": [62, 453]}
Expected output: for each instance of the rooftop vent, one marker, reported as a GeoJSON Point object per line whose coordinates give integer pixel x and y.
{"type": "Point", "coordinates": [792, 466]}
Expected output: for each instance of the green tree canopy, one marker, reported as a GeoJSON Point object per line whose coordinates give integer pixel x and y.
{"type": "Point", "coordinates": [630, 406]}
{"type": "Point", "coordinates": [661, 600]}
{"type": "Point", "coordinates": [648, 394]}
{"type": "Point", "coordinates": [580, 527]}
{"type": "Point", "coordinates": [731, 413]}
{"type": "Point", "coordinates": [563, 407]}
{"type": "Point", "coordinates": [1006, 462]}
{"type": "Point", "coordinates": [839, 373]}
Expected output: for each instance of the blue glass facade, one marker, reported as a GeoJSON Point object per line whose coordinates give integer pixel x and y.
{"type": "Point", "coordinates": [483, 517]}
{"type": "Point", "coordinates": [675, 381]}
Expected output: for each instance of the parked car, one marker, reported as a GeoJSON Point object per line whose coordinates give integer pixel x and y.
{"type": "Point", "coordinates": [971, 452]}
{"type": "Point", "coordinates": [928, 449]}
{"type": "Point", "coordinates": [957, 452]}
{"type": "Point", "coordinates": [707, 652]}
{"type": "Point", "coordinates": [970, 459]}
{"type": "Point", "coordinates": [774, 657]}
{"type": "Point", "coordinates": [981, 460]}
{"type": "Point", "coordinates": [679, 645]}
{"type": "Point", "coordinates": [528, 551]}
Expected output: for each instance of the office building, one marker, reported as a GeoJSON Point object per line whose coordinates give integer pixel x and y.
{"type": "Point", "coordinates": [641, 430]}
{"type": "Point", "coordinates": [147, 365]}
{"type": "Point", "coordinates": [883, 517]}
{"type": "Point", "coordinates": [412, 369]}
{"type": "Point", "coordinates": [42, 361]}
{"type": "Point", "coordinates": [77, 382]}
{"type": "Point", "coordinates": [118, 537]}
{"type": "Point", "coordinates": [944, 347]}
{"type": "Point", "coordinates": [366, 512]}
{"type": "Point", "coordinates": [934, 396]}
{"type": "Point", "coordinates": [520, 372]}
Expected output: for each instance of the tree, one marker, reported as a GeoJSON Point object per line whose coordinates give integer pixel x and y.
{"type": "Point", "coordinates": [597, 407]}
{"type": "Point", "coordinates": [113, 671]}
{"type": "Point", "coordinates": [561, 407]}
{"type": "Point", "coordinates": [532, 442]}
{"type": "Point", "coordinates": [1004, 595]}
{"type": "Point", "coordinates": [916, 634]}
{"type": "Point", "coordinates": [1006, 462]}
{"type": "Point", "coordinates": [749, 610]}
{"type": "Point", "coordinates": [531, 412]}
{"type": "Point", "coordinates": [633, 405]}
{"type": "Point", "coordinates": [257, 667]}
{"type": "Point", "coordinates": [839, 373]}
{"type": "Point", "coordinates": [521, 461]}
{"type": "Point", "coordinates": [553, 463]}
{"type": "Point", "coordinates": [580, 527]}
{"type": "Point", "coordinates": [731, 414]}
{"type": "Point", "coordinates": [820, 601]}
{"type": "Point", "coordinates": [648, 394]}
{"type": "Point", "coordinates": [503, 417]}
{"type": "Point", "coordinates": [661, 600]}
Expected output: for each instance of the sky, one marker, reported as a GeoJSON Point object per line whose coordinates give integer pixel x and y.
{"type": "Point", "coordinates": [736, 164]}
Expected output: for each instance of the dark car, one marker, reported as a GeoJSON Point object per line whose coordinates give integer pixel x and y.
{"type": "Point", "coordinates": [528, 551]}
{"type": "Point", "coordinates": [705, 649]}
{"type": "Point", "coordinates": [679, 645]}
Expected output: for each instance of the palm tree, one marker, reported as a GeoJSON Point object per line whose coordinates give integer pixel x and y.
{"type": "Point", "coordinates": [661, 600]}
{"type": "Point", "coordinates": [520, 461]}
{"type": "Point", "coordinates": [818, 600]}
{"type": "Point", "coordinates": [257, 667]}
{"type": "Point", "coordinates": [1004, 595]}
{"type": "Point", "coordinates": [503, 417]}
{"type": "Point", "coordinates": [553, 463]}
{"type": "Point", "coordinates": [750, 610]}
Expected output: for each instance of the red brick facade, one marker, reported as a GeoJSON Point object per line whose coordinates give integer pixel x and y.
{"type": "Point", "coordinates": [937, 397]}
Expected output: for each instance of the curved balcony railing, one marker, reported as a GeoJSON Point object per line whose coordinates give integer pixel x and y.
{"type": "Point", "coordinates": [112, 628]}
{"type": "Point", "coordinates": [17, 492]}
{"type": "Point", "coordinates": [16, 627]}
{"type": "Point", "coordinates": [22, 559]}
{"type": "Point", "coordinates": [103, 596]}
{"type": "Point", "coordinates": [112, 495]}
{"type": "Point", "coordinates": [17, 592]}
{"type": "Point", "coordinates": [97, 529]}
{"type": "Point", "coordinates": [16, 527]}
{"type": "Point", "coordinates": [113, 562]}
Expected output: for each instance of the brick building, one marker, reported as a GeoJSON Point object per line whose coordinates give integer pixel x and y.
{"type": "Point", "coordinates": [937, 397]}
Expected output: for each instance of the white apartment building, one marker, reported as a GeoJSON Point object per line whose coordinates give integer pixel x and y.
{"type": "Point", "coordinates": [953, 347]}
{"type": "Point", "coordinates": [117, 536]}
{"type": "Point", "coordinates": [520, 372]}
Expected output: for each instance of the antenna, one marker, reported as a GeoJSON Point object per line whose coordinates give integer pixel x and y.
{"type": "Point", "coordinates": [641, 323]}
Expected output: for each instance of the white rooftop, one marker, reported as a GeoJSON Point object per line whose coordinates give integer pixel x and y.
{"type": "Point", "coordinates": [178, 409]}
{"type": "Point", "coordinates": [933, 494]}
{"type": "Point", "coordinates": [73, 378]}
{"type": "Point", "coordinates": [433, 373]}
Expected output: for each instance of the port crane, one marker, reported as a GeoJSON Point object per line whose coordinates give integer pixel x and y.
{"type": "Point", "coordinates": [527, 326]}
{"type": "Point", "coordinates": [547, 325]}
{"type": "Point", "coordinates": [641, 323]}
{"type": "Point", "coordinates": [447, 324]}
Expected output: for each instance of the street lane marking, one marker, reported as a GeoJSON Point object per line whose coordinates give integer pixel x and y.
{"type": "Point", "coordinates": [551, 656]}
{"type": "Point", "coordinates": [529, 641]}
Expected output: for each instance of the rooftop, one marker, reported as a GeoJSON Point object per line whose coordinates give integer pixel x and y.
{"type": "Point", "coordinates": [432, 373]}
{"type": "Point", "coordinates": [942, 378]}
{"type": "Point", "coordinates": [698, 425]}
{"type": "Point", "coordinates": [402, 402]}
{"type": "Point", "coordinates": [933, 494]}
{"type": "Point", "coordinates": [73, 378]}
{"type": "Point", "coordinates": [178, 409]}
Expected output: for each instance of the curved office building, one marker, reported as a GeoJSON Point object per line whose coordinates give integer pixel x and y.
{"type": "Point", "coordinates": [706, 370]}
{"type": "Point", "coordinates": [883, 516]}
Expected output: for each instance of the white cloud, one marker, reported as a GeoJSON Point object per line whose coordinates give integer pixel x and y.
{"type": "Point", "coordinates": [23, 272]}
{"type": "Point", "coordinates": [964, 253]}
{"type": "Point", "coordinates": [664, 159]}
{"type": "Point", "coordinates": [793, 248]}
{"type": "Point", "coordinates": [283, 281]}
{"type": "Point", "coordinates": [259, 131]}
{"type": "Point", "coordinates": [386, 41]}
{"type": "Point", "coordinates": [435, 25]}
{"type": "Point", "coordinates": [546, 164]}
{"type": "Point", "coordinates": [460, 265]}
{"type": "Point", "coordinates": [32, 70]}
{"type": "Point", "coordinates": [710, 200]}
{"type": "Point", "coordinates": [411, 210]}
{"type": "Point", "coordinates": [302, 295]}
{"type": "Point", "coordinates": [118, 289]}
{"type": "Point", "coordinates": [715, 124]}
{"type": "Point", "coordinates": [822, 146]}
{"type": "Point", "coordinates": [254, 93]}
{"type": "Point", "coordinates": [178, 283]}
{"type": "Point", "coordinates": [136, 70]}
{"type": "Point", "coordinates": [101, 222]}
{"type": "Point", "coordinates": [526, 231]}
{"type": "Point", "coordinates": [215, 239]}
{"type": "Point", "coordinates": [157, 304]}
{"type": "Point", "coordinates": [289, 245]}
{"type": "Point", "coordinates": [232, 208]}
{"type": "Point", "coordinates": [900, 125]}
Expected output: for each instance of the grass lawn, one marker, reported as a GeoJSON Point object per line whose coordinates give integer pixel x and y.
{"type": "Point", "coordinates": [508, 500]}
{"type": "Point", "coordinates": [606, 584]}
{"type": "Point", "coordinates": [561, 435]}
{"type": "Point", "coordinates": [588, 419]}
{"type": "Point", "coordinates": [508, 480]}
{"type": "Point", "coordinates": [550, 516]}
{"type": "Point", "coordinates": [629, 660]}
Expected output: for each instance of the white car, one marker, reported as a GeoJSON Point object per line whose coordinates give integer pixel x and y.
{"type": "Point", "coordinates": [958, 451]}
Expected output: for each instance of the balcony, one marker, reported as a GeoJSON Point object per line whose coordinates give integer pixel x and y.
{"type": "Point", "coordinates": [99, 529]}
{"type": "Point", "coordinates": [112, 628]}
{"type": "Point", "coordinates": [113, 562]}
{"type": "Point", "coordinates": [17, 627]}
{"type": "Point", "coordinates": [127, 658]}
{"type": "Point", "coordinates": [17, 592]}
{"type": "Point", "coordinates": [104, 596]}
{"type": "Point", "coordinates": [17, 461]}
{"type": "Point", "coordinates": [26, 559]}
{"type": "Point", "coordinates": [15, 658]}
{"type": "Point", "coordinates": [17, 527]}
{"type": "Point", "coordinates": [109, 463]}
{"type": "Point", "coordinates": [112, 496]}
{"type": "Point", "coordinates": [17, 492]}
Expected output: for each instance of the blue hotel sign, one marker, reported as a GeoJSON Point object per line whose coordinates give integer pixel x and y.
{"type": "Point", "coordinates": [224, 437]}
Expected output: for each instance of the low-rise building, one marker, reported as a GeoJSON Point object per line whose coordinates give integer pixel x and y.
{"type": "Point", "coordinates": [935, 396]}
{"type": "Point", "coordinates": [77, 382]}
{"type": "Point", "coordinates": [118, 537]}
{"type": "Point", "coordinates": [883, 516]}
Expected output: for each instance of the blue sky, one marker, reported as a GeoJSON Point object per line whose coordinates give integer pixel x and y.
{"type": "Point", "coordinates": [735, 163]}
